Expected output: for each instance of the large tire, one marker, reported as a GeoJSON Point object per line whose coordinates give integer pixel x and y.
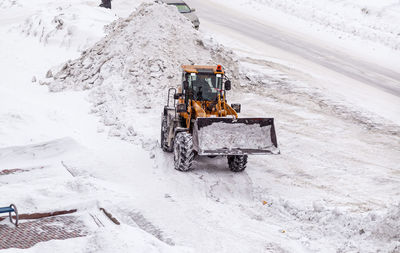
{"type": "Point", "coordinates": [237, 163]}
{"type": "Point", "coordinates": [183, 151]}
{"type": "Point", "coordinates": [164, 135]}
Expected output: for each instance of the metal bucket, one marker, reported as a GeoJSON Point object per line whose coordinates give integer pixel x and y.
{"type": "Point", "coordinates": [229, 136]}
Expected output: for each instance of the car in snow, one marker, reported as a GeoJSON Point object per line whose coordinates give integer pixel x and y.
{"type": "Point", "coordinates": [185, 10]}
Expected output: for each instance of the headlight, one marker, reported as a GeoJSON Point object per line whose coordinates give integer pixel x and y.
{"type": "Point", "coordinates": [236, 107]}
{"type": "Point", "coordinates": [180, 108]}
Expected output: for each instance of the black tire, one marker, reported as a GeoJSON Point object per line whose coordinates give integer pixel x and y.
{"type": "Point", "coordinates": [164, 135]}
{"type": "Point", "coordinates": [183, 151]}
{"type": "Point", "coordinates": [237, 163]}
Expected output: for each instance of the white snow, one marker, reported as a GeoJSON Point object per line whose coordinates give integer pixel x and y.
{"type": "Point", "coordinates": [130, 69]}
{"type": "Point", "coordinates": [230, 136]}
{"type": "Point", "coordinates": [334, 188]}
{"type": "Point", "coordinates": [371, 20]}
{"type": "Point", "coordinates": [312, 34]}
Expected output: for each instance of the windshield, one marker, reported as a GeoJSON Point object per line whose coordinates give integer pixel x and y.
{"type": "Point", "coordinates": [182, 8]}
{"type": "Point", "coordinates": [205, 86]}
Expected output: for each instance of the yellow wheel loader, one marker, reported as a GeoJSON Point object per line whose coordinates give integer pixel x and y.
{"type": "Point", "coordinates": [198, 120]}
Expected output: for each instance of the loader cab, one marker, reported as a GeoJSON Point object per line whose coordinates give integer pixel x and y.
{"type": "Point", "coordinates": [203, 84]}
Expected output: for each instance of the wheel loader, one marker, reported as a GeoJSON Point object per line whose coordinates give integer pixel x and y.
{"type": "Point", "coordinates": [198, 121]}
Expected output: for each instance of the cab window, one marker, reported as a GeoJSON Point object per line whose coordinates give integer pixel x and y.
{"type": "Point", "coordinates": [205, 86]}
{"type": "Point", "coordinates": [182, 8]}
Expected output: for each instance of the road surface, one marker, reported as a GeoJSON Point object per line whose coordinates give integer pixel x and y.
{"type": "Point", "coordinates": [365, 72]}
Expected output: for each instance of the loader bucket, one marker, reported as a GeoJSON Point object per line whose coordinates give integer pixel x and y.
{"type": "Point", "coordinates": [229, 136]}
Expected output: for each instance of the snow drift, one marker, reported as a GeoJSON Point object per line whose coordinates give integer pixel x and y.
{"type": "Point", "coordinates": [74, 25]}
{"type": "Point", "coordinates": [4, 4]}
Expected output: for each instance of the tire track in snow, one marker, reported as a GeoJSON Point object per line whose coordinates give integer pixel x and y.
{"type": "Point", "coordinates": [280, 86]}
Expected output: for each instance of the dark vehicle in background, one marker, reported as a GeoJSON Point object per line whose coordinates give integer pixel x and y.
{"type": "Point", "coordinates": [185, 10]}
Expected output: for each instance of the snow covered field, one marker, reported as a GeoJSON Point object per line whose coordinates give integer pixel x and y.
{"type": "Point", "coordinates": [87, 137]}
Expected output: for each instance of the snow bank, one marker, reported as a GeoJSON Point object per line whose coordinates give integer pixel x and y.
{"type": "Point", "coordinates": [4, 4]}
{"type": "Point", "coordinates": [130, 70]}
{"type": "Point", "coordinates": [387, 226]}
{"type": "Point", "coordinates": [373, 20]}
{"type": "Point", "coordinates": [73, 25]}
{"type": "Point", "coordinates": [377, 231]}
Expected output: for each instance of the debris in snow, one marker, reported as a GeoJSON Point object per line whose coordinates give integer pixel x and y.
{"type": "Point", "coordinates": [132, 67]}
{"type": "Point", "coordinates": [318, 206]}
{"type": "Point", "coordinates": [49, 74]}
{"type": "Point", "coordinates": [109, 215]}
{"type": "Point", "coordinates": [34, 79]}
{"type": "Point", "coordinates": [365, 11]}
{"type": "Point", "coordinates": [11, 171]}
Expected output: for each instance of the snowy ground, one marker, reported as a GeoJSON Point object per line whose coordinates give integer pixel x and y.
{"type": "Point", "coordinates": [370, 20]}
{"type": "Point", "coordinates": [334, 188]}
{"type": "Point", "coordinates": [349, 69]}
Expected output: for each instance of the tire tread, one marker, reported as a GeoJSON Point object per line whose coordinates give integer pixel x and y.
{"type": "Point", "coordinates": [186, 155]}
{"type": "Point", "coordinates": [237, 163]}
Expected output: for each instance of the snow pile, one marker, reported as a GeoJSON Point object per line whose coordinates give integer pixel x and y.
{"type": "Point", "coordinates": [73, 25]}
{"type": "Point", "coordinates": [4, 4]}
{"type": "Point", "coordinates": [373, 20]}
{"type": "Point", "coordinates": [230, 136]}
{"type": "Point", "coordinates": [130, 70]}
{"type": "Point", "coordinates": [387, 226]}
{"type": "Point", "coordinates": [353, 231]}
